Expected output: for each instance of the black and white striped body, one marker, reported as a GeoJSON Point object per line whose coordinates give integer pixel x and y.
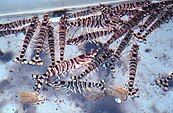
{"type": "Point", "coordinates": [62, 35]}
{"type": "Point", "coordinates": [42, 35]}
{"type": "Point", "coordinates": [147, 23]}
{"type": "Point", "coordinates": [28, 36]}
{"type": "Point", "coordinates": [78, 13]}
{"type": "Point", "coordinates": [164, 17]}
{"type": "Point", "coordinates": [118, 9]}
{"type": "Point", "coordinates": [99, 59]}
{"type": "Point", "coordinates": [94, 22]}
{"type": "Point", "coordinates": [89, 36]}
{"type": "Point", "coordinates": [127, 26]}
{"type": "Point", "coordinates": [15, 24]}
{"type": "Point", "coordinates": [60, 68]}
{"type": "Point", "coordinates": [164, 82]}
{"type": "Point", "coordinates": [134, 59]}
{"type": "Point", "coordinates": [87, 11]}
{"type": "Point", "coordinates": [157, 5]}
{"type": "Point", "coordinates": [11, 31]}
{"type": "Point", "coordinates": [99, 8]}
{"type": "Point", "coordinates": [51, 43]}
{"type": "Point", "coordinates": [125, 41]}
{"type": "Point", "coordinates": [77, 86]}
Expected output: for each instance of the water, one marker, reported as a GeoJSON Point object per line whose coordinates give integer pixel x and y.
{"type": "Point", "coordinates": [15, 79]}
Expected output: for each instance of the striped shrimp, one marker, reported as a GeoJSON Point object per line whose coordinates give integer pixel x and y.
{"type": "Point", "coordinates": [134, 59]}
{"type": "Point", "coordinates": [99, 21]}
{"type": "Point", "coordinates": [99, 59]}
{"type": "Point", "coordinates": [64, 66]}
{"type": "Point", "coordinates": [51, 43]}
{"type": "Point", "coordinates": [78, 13]}
{"type": "Point", "coordinates": [164, 82]}
{"type": "Point", "coordinates": [43, 33]}
{"type": "Point", "coordinates": [28, 36]}
{"type": "Point", "coordinates": [157, 5]}
{"type": "Point", "coordinates": [147, 23]}
{"type": "Point", "coordinates": [119, 9]}
{"type": "Point", "coordinates": [164, 17]}
{"type": "Point", "coordinates": [125, 41]}
{"type": "Point", "coordinates": [87, 11]}
{"type": "Point", "coordinates": [62, 35]}
{"type": "Point", "coordinates": [127, 26]}
{"type": "Point", "coordinates": [15, 24]}
{"type": "Point", "coordinates": [11, 31]}
{"type": "Point", "coordinates": [89, 36]}
{"type": "Point", "coordinates": [77, 86]}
